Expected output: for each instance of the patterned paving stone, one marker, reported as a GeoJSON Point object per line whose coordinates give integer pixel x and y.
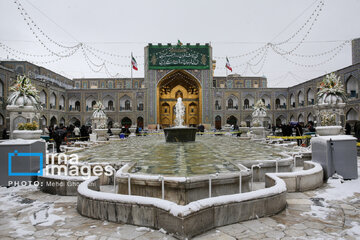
{"type": "Point", "coordinates": [298, 226]}
{"type": "Point", "coordinates": [275, 234]}
{"type": "Point", "coordinates": [214, 235]}
{"type": "Point", "coordinates": [294, 233]}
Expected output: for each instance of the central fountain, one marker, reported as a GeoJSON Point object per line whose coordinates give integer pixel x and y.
{"type": "Point", "coordinates": [180, 133]}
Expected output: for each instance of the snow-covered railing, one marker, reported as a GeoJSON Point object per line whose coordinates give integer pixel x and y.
{"type": "Point", "coordinates": [181, 210]}
{"type": "Point", "coordinates": [309, 178]}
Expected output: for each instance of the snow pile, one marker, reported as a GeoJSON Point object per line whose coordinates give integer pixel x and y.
{"type": "Point", "coordinates": [340, 191]}
{"type": "Point", "coordinates": [45, 217]}
{"type": "Point", "coordinates": [354, 230]}
{"type": "Point", "coordinates": [319, 212]}
{"type": "Point", "coordinates": [39, 213]}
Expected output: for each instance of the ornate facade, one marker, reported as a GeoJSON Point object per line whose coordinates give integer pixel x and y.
{"type": "Point", "coordinates": [171, 72]}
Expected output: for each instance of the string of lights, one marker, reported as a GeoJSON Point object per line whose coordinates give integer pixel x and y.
{"type": "Point", "coordinates": [99, 66]}
{"type": "Point", "coordinates": [31, 54]}
{"type": "Point", "coordinates": [32, 30]}
{"type": "Point", "coordinates": [30, 21]}
{"type": "Point", "coordinates": [110, 62]}
{"type": "Point", "coordinates": [245, 70]}
{"type": "Point", "coordinates": [314, 14]}
{"type": "Point", "coordinates": [252, 58]}
{"type": "Point", "coordinates": [242, 55]}
{"type": "Point", "coordinates": [280, 79]}
{"type": "Point", "coordinates": [316, 64]}
{"type": "Point", "coordinates": [12, 53]}
{"type": "Point", "coordinates": [88, 61]}
{"type": "Point", "coordinates": [281, 51]}
{"type": "Point", "coordinates": [304, 37]}
{"type": "Point", "coordinates": [109, 74]}
{"type": "Point", "coordinates": [262, 65]}
{"type": "Point", "coordinates": [110, 54]}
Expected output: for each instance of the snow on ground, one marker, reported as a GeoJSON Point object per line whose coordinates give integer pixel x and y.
{"type": "Point", "coordinates": [45, 216]}
{"type": "Point", "coordinates": [37, 212]}
{"type": "Point", "coordinates": [319, 212]}
{"type": "Point", "coordinates": [354, 231]}
{"type": "Point", "coordinates": [338, 190]}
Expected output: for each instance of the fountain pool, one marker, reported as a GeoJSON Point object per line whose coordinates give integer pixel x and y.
{"type": "Point", "coordinates": [207, 155]}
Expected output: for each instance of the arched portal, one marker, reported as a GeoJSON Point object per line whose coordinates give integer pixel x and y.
{"type": "Point", "coordinates": [218, 122]}
{"type": "Point", "coordinates": [178, 83]}
{"type": "Point", "coordinates": [140, 122]}
{"type": "Point", "coordinates": [231, 120]}
{"type": "Point", "coordinates": [53, 121]}
{"type": "Point", "coordinates": [126, 122]}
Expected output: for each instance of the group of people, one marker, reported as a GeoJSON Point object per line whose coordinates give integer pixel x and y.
{"type": "Point", "coordinates": [61, 133]}
{"type": "Point", "coordinates": [288, 130]}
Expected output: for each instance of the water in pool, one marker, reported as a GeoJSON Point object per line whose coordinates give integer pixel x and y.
{"type": "Point", "coordinates": [208, 154]}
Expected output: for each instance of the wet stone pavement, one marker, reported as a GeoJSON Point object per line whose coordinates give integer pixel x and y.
{"type": "Point", "coordinates": [27, 213]}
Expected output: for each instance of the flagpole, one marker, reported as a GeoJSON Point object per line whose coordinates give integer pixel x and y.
{"type": "Point", "coordinates": [131, 70]}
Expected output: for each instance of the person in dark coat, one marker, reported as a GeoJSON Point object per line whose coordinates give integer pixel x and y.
{"type": "Point", "coordinates": [298, 132]}
{"type": "Point", "coordinates": [236, 129]}
{"type": "Point", "coordinates": [347, 129]}
{"type": "Point", "coordinates": [283, 129]}
{"type": "Point", "coordinates": [58, 136]}
{"type": "Point", "coordinates": [357, 130]}
{"type": "Point", "coordinates": [4, 134]}
{"type": "Point", "coordinates": [83, 132]}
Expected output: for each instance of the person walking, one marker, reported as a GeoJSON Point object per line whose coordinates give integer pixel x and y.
{"type": "Point", "coordinates": [58, 136]}
{"type": "Point", "coordinates": [77, 132]}
{"type": "Point", "coordinates": [298, 133]}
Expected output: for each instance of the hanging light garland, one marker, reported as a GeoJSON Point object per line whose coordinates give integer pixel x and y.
{"type": "Point", "coordinates": [110, 54]}
{"type": "Point", "coordinates": [316, 64]}
{"type": "Point", "coordinates": [31, 22]}
{"type": "Point", "coordinates": [13, 53]}
{"type": "Point", "coordinates": [280, 51]}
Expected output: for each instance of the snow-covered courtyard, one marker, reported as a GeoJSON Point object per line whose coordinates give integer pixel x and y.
{"type": "Point", "coordinates": [330, 212]}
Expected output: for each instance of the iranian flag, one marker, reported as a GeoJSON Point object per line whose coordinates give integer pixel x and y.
{"type": "Point", "coordinates": [133, 63]}
{"type": "Point", "coordinates": [228, 64]}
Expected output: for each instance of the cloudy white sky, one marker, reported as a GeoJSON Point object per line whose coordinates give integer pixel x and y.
{"type": "Point", "coordinates": [232, 27]}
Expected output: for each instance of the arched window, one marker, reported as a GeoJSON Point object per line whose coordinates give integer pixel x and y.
{"type": "Point", "coordinates": [52, 101]}
{"type": "Point", "coordinates": [301, 99]}
{"type": "Point", "coordinates": [19, 70]}
{"type": "Point", "coordinates": [310, 97]}
{"type": "Point", "coordinates": [277, 103]}
{"type": "Point", "coordinates": [62, 103]}
{"type": "Point", "coordinates": [352, 115]}
{"type": "Point", "coordinates": [218, 122]}
{"type": "Point", "coordinates": [77, 106]}
{"type": "Point", "coordinates": [217, 105]}
{"type": "Point", "coordinates": [111, 105]}
{"type": "Point", "coordinates": [292, 100]}
{"type": "Point", "coordinates": [165, 107]}
{"type": "Point", "coordinates": [231, 120]}
{"type": "Point", "coordinates": [246, 103]}
{"type": "Point", "coordinates": [43, 98]}
{"type": "Point", "coordinates": [230, 103]}
{"type": "Point", "coordinates": [179, 94]}
{"type": "Point", "coordinates": [352, 87]}
{"type": "Point", "coordinates": [2, 122]}
{"type": "Point", "coordinates": [127, 105]}
{"type": "Point", "coordinates": [1, 89]}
